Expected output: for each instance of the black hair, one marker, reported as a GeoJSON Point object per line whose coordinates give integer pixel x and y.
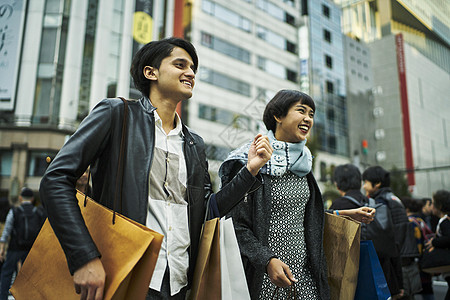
{"type": "Point", "coordinates": [152, 55]}
{"type": "Point", "coordinates": [441, 200]}
{"type": "Point", "coordinates": [377, 174]}
{"type": "Point", "coordinates": [347, 177]}
{"type": "Point", "coordinates": [413, 205]}
{"type": "Point", "coordinates": [280, 104]}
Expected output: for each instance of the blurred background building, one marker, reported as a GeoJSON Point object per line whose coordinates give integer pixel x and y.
{"type": "Point", "coordinates": [378, 71]}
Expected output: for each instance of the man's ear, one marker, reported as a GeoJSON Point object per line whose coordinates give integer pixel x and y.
{"type": "Point", "coordinates": [377, 185]}
{"type": "Point", "coordinates": [149, 73]}
{"type": "Point", "coordinates": [278, 120]}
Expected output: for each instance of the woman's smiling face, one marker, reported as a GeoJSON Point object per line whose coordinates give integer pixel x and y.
{"type": "Point", "coordinates": [295, 126]}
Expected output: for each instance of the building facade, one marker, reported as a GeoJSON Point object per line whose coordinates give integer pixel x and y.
{"type": "Point", "coordinates": [410, 50]}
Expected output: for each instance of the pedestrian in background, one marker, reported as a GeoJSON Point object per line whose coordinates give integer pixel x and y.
{"type": "Point", "coordinates": [422, 234]}
{"type": "Point", "coordinates": [441, 208]}
{"type": "Point", "coordinates": [377, 186]}
{"type": "Point", "coordinates": [427, 214]}
{"type": "Point", "coordinates": [22, 226]}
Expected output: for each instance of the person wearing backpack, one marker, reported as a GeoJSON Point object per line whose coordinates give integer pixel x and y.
{"type": "Point", "coordinates": [347, 179]}
{"type": "Point", "coordinates": [22, 226]}
{"type": "Point", "coordinates": [377, 185]}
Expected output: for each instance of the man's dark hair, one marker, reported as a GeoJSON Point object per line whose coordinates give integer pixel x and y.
{"type": "Point", "coordinates": [376, 175]}
{"type": "Point", "coordinates": [413, 205]}
{"type": "Point", "coordinates": [152, 55]}
{"type": "Point", "coordinates": [347, 177]}
{"type": "Point", "coordinates": [442, 201]}
{"type": "Point", "coordinates": [280, 104]}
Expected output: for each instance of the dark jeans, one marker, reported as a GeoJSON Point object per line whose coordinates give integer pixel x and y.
{"type": "Point", "coordinates": [164, 294]}
{"type": "Point", "coordinates": [8, 268]}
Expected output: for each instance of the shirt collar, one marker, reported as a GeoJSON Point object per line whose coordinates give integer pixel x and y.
{"type": "Point", "coordinates": [178, 127]}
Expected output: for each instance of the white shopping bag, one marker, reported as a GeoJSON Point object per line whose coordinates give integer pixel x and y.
{"type": "Point", "coordinates": [234, 284]}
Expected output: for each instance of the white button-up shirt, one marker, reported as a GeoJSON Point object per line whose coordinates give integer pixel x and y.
{"type": "Point", "coordinates": [168, 213]}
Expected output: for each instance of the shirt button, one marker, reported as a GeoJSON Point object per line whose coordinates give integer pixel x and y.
{"type": "Point", "coordinates": [170, 228]}
{"type": "Point", "coordinates": [166, 184]}
{"type": "Point", "coordinates": [168, 159]}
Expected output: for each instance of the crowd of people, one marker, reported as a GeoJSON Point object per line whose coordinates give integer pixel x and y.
{"type": "Point", "coordinates": [414, 227]}
{"type": "Point", "coordinates": [267, 187]}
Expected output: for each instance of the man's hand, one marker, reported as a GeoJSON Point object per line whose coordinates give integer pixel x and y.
{"type": "Point", "coordinates": [363, 214]}
{"type": "Point", "coordinates": [279, 273]}
{"type": "Point", "coordinates": [259, 153]}
{"type": "Point", "coordinates": [89, 280]}
{"type": "Point", "coordinates": [429, 245]}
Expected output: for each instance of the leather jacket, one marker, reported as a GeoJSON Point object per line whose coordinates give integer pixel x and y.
{"type": "Point", "coordinates": [97, 143]}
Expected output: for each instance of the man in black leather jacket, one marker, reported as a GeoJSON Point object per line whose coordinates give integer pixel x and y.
{"type": "Point", "coordinates": [164, 72]}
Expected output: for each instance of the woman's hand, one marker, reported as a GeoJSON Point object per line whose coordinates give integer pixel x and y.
{"type": "Point", "coordinates": [363, 214]}
{"type": "Point", "coordinates": [279, 273]}
{"type": "Point", "coordinates": [259, 153]}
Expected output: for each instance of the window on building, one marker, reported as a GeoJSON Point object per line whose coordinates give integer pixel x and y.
{"type": "Point", "coordinates": [327, 35]}
{"type": "Point", "coordinates": [5, 162]}
{"type": "Point", "coordinates": [37, 162]}
{"type": "Point", "coordinates": [330, 87]}
{"type": "Point", "coordinates": [224, 81]}
{"type": "Point", "coordinates": [290, 19]}
{"type": "Point", "coordinates": [225, 47]}
{"type": "Point", "coordinates": [330, 114]}
{"type": "Point", "coordinates": [332, 143]}
{"type": "Point", "coordinates": [275, 39]}
{"type": "Point", "coordinates": [323, 171]}
{"type": "Point", "coordinates": [276, 11]}
{"type": "Point", "coordinates": [223, 116]}
{"type": "Point", "coordinates": [290, 47]}
{"type": "Point", "coordinates": [326, 10]}
{"type": "Point", "coordinates": [226, 15]}
{"type": "Point", "coordinates": [328, 61]}
{"type": "Point", "coordinates": [291, 75]}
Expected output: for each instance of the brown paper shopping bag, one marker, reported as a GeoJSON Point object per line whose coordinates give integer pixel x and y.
{"type": "Point", "coordinates": [206, 282]}
{"type": "Point", "coordinates": [129, 253]}
{"type": "Point", "coordinates": [341, 240]}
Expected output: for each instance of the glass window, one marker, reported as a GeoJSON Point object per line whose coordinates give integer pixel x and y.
{"type": "Point", "coordinates": [48, 45]}
{"type": "Point", "coordinates": [330, 87]}
{"type": "Point", "coordinates": [291, 75]}
{"type": "Point", "coordinates": [224, 81]}
{"type": "Point", "coordinates": [332, 143]}
{"type": "Point", "coordinates": [5, 162]}
{"type": "Point", "coordinates": [275, 39]}
{"type": "Point", "coordinates": [323, 171]}
{"type": "Point", "coordinates": [226, 15]}
{"type": "Point", "coordinates": [291, 47]}
{"type": "Point", "coordinates": [327, 35]}
{"type": "Point", "coordinates": [276, 11]}
{"type": "Point", "coordinates": [37, 162]}
{"type": "Point", "coordinates": [225, 47]}
{"type": "Point", "coordinates": [328, 61]}
{"type": "Point", "coordinates": [42, 100]}
{"type": "Point", "coordinates": [326, 10]}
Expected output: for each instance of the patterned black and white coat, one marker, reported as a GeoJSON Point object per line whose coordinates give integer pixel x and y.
{"type": "Point", "coordinates": [251, 218]}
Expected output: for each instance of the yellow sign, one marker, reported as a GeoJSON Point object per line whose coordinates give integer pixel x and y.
{"type": "Point", "coordinates": [142, 28]}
